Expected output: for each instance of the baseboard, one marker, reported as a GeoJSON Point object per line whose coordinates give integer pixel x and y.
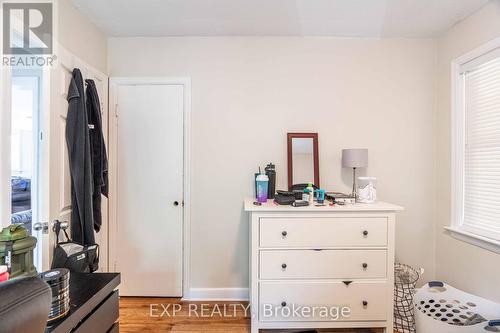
{"type": "Point", "coordinates": [217, 294]}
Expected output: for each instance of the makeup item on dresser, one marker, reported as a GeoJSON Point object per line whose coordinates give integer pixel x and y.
{"type": "Point", "coordinates": [301, 187]}
{"type": "Point", "coordinates": [284, 192]}
{"type": "Point", "coordinates": [271, 174]}
{"type": "Point", "coordinates": [340, 198]}
{"type": "Point", "coordinates": [300, 203]}
{"type": "Point", "coordinates": [284, 198]}
{"type": "Point", "coordinates": [345, 201]}
{"type": "Point", "coordinates": [305, 195]}
{"type": "Point", "coordinates": [262, 183]}
{"type": "Point", "coordinates": [354, 158]}
{"type": "Point", "coordinates": [367, 190]}
{"type": "Point", "coordinates": [320, 196]}
{"type": "Point", "coordinates": [310, 188]}
{"type": "Point", "coordinates": [298, 194]}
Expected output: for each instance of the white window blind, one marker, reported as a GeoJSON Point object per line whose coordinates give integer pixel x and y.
{"type": "Point", "coordinates": [481, 151]}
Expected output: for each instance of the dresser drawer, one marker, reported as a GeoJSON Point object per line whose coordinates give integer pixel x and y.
{"type": "Point", "coordinates": [102, 318]}
{"type": "Point", "coordinates": [320, 232]}
{"type": "Point", "coordinates": [317, 296]}
{"type": "Point", "coordinates": [324, 264]}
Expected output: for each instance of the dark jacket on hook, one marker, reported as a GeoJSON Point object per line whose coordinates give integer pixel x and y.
{"type": "Point", "coordinates": [97, 151]}
{"type": "Point", "coordinates": [77, 139]}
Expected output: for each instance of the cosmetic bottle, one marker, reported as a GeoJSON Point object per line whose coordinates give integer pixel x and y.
{"type": "Point", "coordinates": [310, 188]}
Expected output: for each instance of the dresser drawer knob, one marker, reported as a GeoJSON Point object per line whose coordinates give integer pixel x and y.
{"type": "Point", "coordinates": [283, 266]}
{"type": "Point", "coordinates": [284, 233]}
{"type": "Point", "coordinates": [365, 303]}
{"type": "Point", "coordinates": [365, 233]}
{"type": "Point", "coordinates": [283, 304]}
{"type": "Point", "coordinates": [365, 265]}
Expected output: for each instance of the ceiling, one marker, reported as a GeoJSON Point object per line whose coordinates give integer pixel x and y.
{"type": "Point", "coordinates": [347, 18]}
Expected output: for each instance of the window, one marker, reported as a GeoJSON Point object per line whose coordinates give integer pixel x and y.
{"type": "Point", "coordinates": [476, 147]}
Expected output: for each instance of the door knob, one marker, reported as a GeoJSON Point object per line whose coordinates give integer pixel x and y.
{"type": "Point", "coordinates": [176, 203]}
{"type": "Point", "coordinates": [41, 226]}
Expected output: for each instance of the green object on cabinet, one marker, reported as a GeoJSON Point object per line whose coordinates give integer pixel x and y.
{"type": "Point", "coordinates": [16, 238]}
{"type": "Point", "coordinates": [13, 232]}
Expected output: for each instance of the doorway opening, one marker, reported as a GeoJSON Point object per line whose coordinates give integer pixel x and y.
{"type": "Point", "coordinates": [26, 88]}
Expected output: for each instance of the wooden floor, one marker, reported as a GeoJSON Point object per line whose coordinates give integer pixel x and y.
{"type": "Point", "coordinates": [146, 315]}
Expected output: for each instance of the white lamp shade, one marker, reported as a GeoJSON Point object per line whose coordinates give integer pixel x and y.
{"type": "Point", "coordinates": [355, 158]}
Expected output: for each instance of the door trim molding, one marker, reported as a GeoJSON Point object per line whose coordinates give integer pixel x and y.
{"type": "Point", "coordinates": [186, 216]}
{"type": "Point", "coordinates": [5, 130]}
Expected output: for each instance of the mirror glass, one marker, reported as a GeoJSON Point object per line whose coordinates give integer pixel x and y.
{"type": "Point", "coordinates": [303, 160]}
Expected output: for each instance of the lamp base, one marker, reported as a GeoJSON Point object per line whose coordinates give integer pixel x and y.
{"type": "Point", "coordinates": [353, 193]}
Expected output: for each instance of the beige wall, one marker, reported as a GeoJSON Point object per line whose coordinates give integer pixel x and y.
{"type": "Point", "coordinates": [462, 265]}
{"type": "Point", "coordinates": [79, 36]}
{"type": "Point", "coordinates": [247, 93]}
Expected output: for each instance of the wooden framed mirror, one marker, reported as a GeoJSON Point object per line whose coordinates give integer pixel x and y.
{"type": "Point", "coordinates": [303, 160]}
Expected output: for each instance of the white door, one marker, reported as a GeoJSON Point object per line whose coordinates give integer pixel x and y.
{"type": "Point", "coordinates": [55, 175]}
{"type": "Point", "coordinates": [34, 105]}
{"type": "Point", "coordinates": [43, 91]}
{"type": "Point", "coordinates": [23, 109]}
{"type": "Point", "coordinates": [149, 188]}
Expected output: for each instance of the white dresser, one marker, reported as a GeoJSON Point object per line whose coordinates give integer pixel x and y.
{"type": "Point", "coordinates": [321, 267]}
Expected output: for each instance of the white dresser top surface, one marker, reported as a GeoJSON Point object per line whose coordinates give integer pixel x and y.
{"type": "Point", "coordinates": [270, 206]}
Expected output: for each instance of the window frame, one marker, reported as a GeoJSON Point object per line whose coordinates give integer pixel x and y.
{"type": "Point", "coordinates": [456, 228]}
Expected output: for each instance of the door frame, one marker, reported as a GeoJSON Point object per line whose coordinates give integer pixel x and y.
{"type": "Point", "coordinates": [114, 82]}
{"type": "Point", "coordinates": [40, 155]}
{"type": "Point", "coordinates": [5, 130]}
{"type": "Point", "coordinates": [39, 159]}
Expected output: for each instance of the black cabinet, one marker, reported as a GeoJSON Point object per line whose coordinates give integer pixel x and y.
{"type": "Point", "coordinates": [94, 305]}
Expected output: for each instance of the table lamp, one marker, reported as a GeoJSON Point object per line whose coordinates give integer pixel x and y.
{"type": "Point", "coordinates": [354, 158]}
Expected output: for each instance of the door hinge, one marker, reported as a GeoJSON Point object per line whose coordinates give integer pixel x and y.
{"type": "Point", "coordinates": [41, 136]}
